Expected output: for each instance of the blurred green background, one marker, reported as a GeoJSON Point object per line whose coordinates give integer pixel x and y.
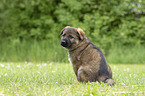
{"type": "Point", "coordinates": [29, 29]}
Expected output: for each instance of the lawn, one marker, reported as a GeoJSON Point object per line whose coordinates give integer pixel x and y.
{"type": "Point", "coordinates": [58, 79]}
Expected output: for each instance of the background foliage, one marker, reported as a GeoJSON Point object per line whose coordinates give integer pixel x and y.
{"type": "Point", "coordinates": [106, 23]}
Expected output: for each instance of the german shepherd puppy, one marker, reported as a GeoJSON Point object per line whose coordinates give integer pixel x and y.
{"type": "Point", "coordinates": [88, 61]}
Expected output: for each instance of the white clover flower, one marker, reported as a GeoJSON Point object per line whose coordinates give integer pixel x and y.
{"type": "Point", "coordinates": [5, 74]}
{"type": "Point", "coordinates": [52, 71]}
{"type": "Point", "coordinates": [38, 65]}
{"type": "Point", "coordinates": [18, 66]}
{"type": "Point", "coordinates": [1, 65]}
{"type": "Point", "coordinates": [44, 64]}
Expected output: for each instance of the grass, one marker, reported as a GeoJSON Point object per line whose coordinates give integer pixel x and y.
{"type": "Point", "coordinates": [127, 55]}
{"type": "Point", "coordinates": [32, 51]}
{"type": "Point", "coordinates": [43, 51]}
{"type": "Point", "coordinates": [58, 79]}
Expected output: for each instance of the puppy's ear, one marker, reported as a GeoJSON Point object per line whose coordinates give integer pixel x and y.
{"type": "Point", "coordinates": [63, 30]}
{"type": "Point", "coordinates": [81, 33]}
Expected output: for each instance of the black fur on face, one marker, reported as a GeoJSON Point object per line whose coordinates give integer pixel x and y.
{"type": "Point", "coordinates": [66, 43]}
{"type": "Point", "coordinates": [70, 38]}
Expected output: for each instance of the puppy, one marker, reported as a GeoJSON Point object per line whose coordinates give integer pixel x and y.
{"type": "Point", "coordinates": [88, 61]}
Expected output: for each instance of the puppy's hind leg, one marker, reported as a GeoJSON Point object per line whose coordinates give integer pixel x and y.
{"type": "Point", "coordinates": [82, 76]}
{"type": "Point", "coordinates": [106, 80]}
{"type": "Point", "coordinates": [109, 81]}
{"type": "Point", "coordinates": [85, 76]}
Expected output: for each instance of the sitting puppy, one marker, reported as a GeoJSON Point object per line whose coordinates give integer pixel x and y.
{"type": "Point", "coordinates": [88, 61]}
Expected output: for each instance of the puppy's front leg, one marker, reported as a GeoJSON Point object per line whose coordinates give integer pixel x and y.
{"type": "Point", "coordinates": [85, 75]}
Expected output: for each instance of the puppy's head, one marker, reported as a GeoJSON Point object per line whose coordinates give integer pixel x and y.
{"type": "Point", "coordinates": [71, 37]}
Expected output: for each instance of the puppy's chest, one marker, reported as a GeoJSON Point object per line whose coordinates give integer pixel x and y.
{"type": "Point", "coordinates": [73, 59]}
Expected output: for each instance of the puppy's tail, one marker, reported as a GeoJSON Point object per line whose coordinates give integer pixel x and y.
{"type": "Point", "coordinates": [109, 81]}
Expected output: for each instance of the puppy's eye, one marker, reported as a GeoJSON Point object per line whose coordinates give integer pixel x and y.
{"type": "Point", "coordinates": [71, 37]}
{"type": "Point", "coordinates": [63, 34]}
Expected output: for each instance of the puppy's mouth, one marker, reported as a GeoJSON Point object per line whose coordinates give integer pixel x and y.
{"type": "Point", "coordinates": [65, 43]}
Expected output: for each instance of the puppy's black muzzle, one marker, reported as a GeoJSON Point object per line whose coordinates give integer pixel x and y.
{"type": "Point", "coordinates": [65, 43]}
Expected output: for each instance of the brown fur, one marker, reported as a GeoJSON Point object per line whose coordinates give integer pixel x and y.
{"type": "Point", "coordinates": [88, 61]}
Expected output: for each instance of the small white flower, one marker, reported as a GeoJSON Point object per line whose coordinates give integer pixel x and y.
{"type": "Point", "coordinates": [53, 71]}
{"type": "Point", "coordinates": [44, 64]}
{"type": "Point", "coordinates": [91, 95]}
{"type": "Point", "coordinates": [29, 63]}
{"type": "Point", "coordinates": [38, 65]}
{"type": "Point", "coordinates": [18, 66]}
{"type": "Point", "coordinates": [51, 63]}
{"type": "Point", "coordinates": [6, 74]}
{"type": "Point", "coordinates": [114, 66]}
{"type": "Point", "coordinates": [1, 65]}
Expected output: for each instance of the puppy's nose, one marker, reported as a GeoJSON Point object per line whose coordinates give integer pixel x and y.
{"type": "Point", "coordinates": [64, 43]}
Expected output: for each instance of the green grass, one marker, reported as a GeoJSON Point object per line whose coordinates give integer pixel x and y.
{"type": "Point", "coordinates": [127, 55]}
{"type": "Point", "coordinates": [43, 51]}
{"type": "Point", "coordinates": [58, 79]}
{"type": "Point", "coordinates": [32, 51]}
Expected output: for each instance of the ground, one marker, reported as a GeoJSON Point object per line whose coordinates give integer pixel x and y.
{"type": "Point", "coordinates": [58, 79]}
